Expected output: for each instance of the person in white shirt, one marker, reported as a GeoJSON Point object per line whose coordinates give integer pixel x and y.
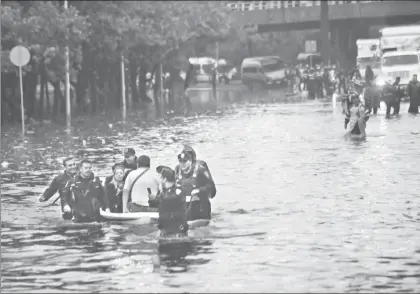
{"type": "Point", "coordinates": [141, 185]}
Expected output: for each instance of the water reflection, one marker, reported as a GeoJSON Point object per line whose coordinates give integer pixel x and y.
{"type": "Point", "coordinates": [298, 208]}
{"type": "Point", "coordinates": [178, 257]}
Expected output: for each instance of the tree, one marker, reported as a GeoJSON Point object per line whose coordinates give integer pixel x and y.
{"type": "Point", "coordinates": [99, 33]}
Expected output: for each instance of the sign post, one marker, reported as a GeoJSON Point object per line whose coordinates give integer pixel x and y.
{"type": "Point", "coordinates": [20, 56]}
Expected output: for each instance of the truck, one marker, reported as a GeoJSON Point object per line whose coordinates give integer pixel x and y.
{"type": "Point", "coordinates": [367, 54]}
{"type": "Point", "coordinates": [400, 53]}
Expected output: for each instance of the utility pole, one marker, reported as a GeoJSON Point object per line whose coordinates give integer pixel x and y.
{"type": "Point", "coordinates": [68, 101]}
{"type": "Point", "coordinates": [123, 98]}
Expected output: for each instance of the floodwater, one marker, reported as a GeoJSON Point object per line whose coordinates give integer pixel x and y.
{"type": "Point", "coordinates": [298, 208]}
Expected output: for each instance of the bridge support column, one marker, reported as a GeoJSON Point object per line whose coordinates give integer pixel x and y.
{"type": "Point", "coordinates": [325, 33]}
{"type": "Point", "coordinates": [344, 36]}
{"type": "Point", "coordinates": [344, 44]}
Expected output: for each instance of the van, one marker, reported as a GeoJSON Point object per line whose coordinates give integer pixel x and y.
{"type": "Point", "coordinates": [261, 72]}
{"type": "Point", "coordinates": [203, 68]}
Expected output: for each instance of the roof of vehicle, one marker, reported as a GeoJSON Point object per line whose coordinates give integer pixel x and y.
{"type": "Point", "coordinates": [304, 55]}
{"type": "Point", "coordinates": [401, 30]}
{"type": "Point", "coordinates": [367, 41]}
{"type": "Point", "coordinates": [261, 60]}
{"type": "Point", "coordinates": [201, 60]}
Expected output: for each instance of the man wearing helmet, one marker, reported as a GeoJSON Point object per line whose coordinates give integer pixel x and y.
{"type": "Point", "coordinates": [194, 180]}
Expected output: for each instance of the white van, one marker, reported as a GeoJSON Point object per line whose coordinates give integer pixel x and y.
{"type": "Point", "coordinates": [203, 68]}
{"type": "Point", "coordinates": [260, 72]}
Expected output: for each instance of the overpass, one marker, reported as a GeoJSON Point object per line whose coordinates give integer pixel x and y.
{"type": "Point", "coordinates": [348, 20]}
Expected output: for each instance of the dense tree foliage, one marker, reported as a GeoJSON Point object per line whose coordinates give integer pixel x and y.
{"type": "Point", "coordinates": [99, 33]}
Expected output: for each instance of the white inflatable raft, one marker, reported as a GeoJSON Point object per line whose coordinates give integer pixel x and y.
{"type": "Point", "coordinates": [129, 216]}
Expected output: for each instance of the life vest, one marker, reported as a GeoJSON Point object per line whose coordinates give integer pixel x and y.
{"type": "Point", "coordinates": [187, 184]}
{"type": "Point", "coordinates": [85, 196]}
{"type": "Point", "coordinates": [172, 211]}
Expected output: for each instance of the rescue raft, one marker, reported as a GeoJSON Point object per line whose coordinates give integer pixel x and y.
{"type": "Point", "coordinates": [129, 216]}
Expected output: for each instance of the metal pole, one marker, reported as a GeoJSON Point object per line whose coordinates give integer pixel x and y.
{"type": "Point", "coordinates": [124, 109]}
{"type": "Point", "coordinates": [21, 101]}
{"type": "Point", "coordinates": [68, 101]}
{"type": "Point", "coordinates": [161, 82]}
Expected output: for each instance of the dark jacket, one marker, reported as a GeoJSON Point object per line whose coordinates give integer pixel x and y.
{"type": "Point", "coordinates": [172, 211]}
{"type": "Point", "coordinates": [202, 163]}
{"type": "Point", "coordinates": [413, 90]}
{"type": "Point", "coordinates": [85, 196]}
{"type": "Point", "coordinates": [57, 185]}
{"type": "Point", "coordinates": [113, 197]}
{"type": "Point", "coordinates": [204, 183]}
{"type": "Point", "coordinates": [132, 166]}
{"type": "Point", "coordinates": [369, 75]}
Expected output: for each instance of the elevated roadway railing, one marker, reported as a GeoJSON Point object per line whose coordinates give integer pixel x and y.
{"type": "Point", "coordinates": [273, 5]}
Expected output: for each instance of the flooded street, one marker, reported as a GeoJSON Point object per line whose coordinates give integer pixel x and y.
{"type": "Point", "coordinates": [298, 207]}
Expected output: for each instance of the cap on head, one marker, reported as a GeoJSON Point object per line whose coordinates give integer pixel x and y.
{"type": "Point", "coordinates": [129, 152]}
{"type": "Point", "coordinates": [143, 161]}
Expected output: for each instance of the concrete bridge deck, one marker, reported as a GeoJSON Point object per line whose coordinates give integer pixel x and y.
{"type": "Point", "coordinates": [301, 15]}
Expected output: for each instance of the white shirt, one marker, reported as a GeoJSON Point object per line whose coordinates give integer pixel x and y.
{"type": "Point", "coordinates": [139, 194]}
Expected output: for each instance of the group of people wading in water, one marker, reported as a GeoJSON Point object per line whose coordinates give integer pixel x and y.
{"type": "Point", "coordinates": [179, 195]}
{"type": "Point", "coordinates": [357, 113]}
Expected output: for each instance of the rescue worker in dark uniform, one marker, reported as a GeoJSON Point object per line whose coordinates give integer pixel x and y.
{"type": "Point", "coordinates": [58, 184]}
{"type": "Point", "coordinates": [85, 195]}
{"type": "Point", "coordinates": [172, 206]}
{"type": "Point", "coordinates": [191, 151]}
{"type": "Point", "coordinates": [195, 181]}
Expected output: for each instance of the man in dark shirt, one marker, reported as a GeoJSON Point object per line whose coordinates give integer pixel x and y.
{"type": "Point", "coordinates": [58, 184]}
{"type": "Point", "coordinates": [172, 207]}
{"type": "Point", "coordinates": [85, 195]}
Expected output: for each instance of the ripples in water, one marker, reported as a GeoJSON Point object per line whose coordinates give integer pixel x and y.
{"type": "Point", "coordinates": [299, 209]}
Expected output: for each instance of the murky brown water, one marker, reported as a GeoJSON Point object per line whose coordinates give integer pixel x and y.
{"type": "Point", "coordinates": [298, 209]}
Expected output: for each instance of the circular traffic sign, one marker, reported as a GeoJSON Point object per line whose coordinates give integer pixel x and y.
{"type": "Point", "coordinates": [20, 56]}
